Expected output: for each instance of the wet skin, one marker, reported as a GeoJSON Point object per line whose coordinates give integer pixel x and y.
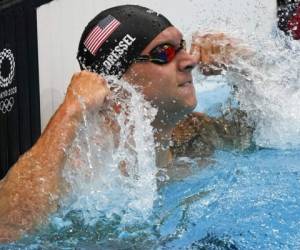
{"type": "Point", "coordinates": [169, 87]}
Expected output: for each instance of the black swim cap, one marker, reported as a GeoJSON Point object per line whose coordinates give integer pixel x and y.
{"type": "Point", "coordinates": [116, 36]}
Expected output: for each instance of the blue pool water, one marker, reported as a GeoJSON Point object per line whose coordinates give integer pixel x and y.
{"type": "Point", "coordinates": [238, 201]}
{"type": "Point", "coordinates": [249, 199]}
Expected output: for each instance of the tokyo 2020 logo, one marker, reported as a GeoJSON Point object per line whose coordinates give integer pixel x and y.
{"type": "Point", "coordinates": [7, 75]}
{"type": "Point", "coordinates": [6, 105]}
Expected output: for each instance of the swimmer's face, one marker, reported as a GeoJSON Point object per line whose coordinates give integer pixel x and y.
{"type": "Point", "coordinates": [168, 86]}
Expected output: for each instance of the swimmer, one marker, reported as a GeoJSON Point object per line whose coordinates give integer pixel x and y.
{"type": "Point", "coordinates": [143, 48]}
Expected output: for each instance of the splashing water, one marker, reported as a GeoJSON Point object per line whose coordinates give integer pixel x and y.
{"type": "Point", "coordinates": [270, 92]}
{"type": "Point", "coordinates": [109, 174]}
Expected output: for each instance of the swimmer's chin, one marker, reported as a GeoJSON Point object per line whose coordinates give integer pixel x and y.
{"type": "Point", "coordinates": [190, 107]}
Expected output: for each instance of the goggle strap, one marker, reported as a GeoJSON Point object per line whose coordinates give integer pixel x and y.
{"type": "Point", "coordinates": [143, 58]}
{"type": "Point", "coordinates": [146, 58]}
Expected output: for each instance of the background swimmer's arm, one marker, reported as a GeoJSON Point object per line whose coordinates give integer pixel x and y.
{"type": "Point", "coordinates": [199, 134]}
{"type": "Point", "coordinates": [32, 187]}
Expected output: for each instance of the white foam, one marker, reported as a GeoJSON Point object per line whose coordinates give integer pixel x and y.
{"type": "Point", "coordinates": [271, 92]}
{"type": "Point", "coordinates": [97, 186]}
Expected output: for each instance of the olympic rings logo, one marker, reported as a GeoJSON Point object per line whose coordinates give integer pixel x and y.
{"type": "Point", "coordinates": [6, 105]}
{"type": "Point", "coordinates": [7, 54]}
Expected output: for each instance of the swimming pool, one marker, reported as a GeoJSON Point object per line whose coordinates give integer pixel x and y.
{"type": "Point", "coordinates": [230, 200]}
{"type": "Point", "coordinates": [240, 201]}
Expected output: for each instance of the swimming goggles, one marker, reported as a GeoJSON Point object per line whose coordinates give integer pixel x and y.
{"type": "Point", "coordinates": [162, 54]}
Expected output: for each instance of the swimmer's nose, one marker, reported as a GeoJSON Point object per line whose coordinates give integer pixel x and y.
{"type": "Point", "coordinates": [187, 62]}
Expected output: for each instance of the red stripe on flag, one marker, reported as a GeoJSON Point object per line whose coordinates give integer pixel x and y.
{"type": "Point", "coordinates": [103, 35]}
{"type": "Point", "coordinates": [96, 38]}
{"type": "Point", "coordinates": [93, 38]}
{"type": "Point", "coordinates": [94, 33]}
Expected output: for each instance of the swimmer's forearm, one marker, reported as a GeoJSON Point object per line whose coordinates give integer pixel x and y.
{"type": "Point", "coordinates": [59, 134]}
{"type": "Point", "coordinates": [49, 152]}
{"type": "Point", "coordinates": [31, 188]}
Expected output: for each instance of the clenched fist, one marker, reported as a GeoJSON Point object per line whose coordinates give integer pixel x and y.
{"type": "Point", "coordinates": [87, 91]}
{"type": "Point", "coordinates": [215, 52]}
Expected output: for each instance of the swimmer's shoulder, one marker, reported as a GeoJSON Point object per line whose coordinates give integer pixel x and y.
{"type": "Point", "coordinates": [190, 135]}
{"type": "Point", "coordinates": [190, 126]}
{"type": "Point", "coordinates": [199, 134]}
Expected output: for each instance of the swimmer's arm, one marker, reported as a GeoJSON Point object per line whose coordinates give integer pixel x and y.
{"type": "Point", "coordinates": [216, 52]}
{"type": "Point", "coordinates": [199, 129]}
{"type": "Point", "coordinates": [32, 187]}
{"type": "Point", "coordinates": [231, 131]}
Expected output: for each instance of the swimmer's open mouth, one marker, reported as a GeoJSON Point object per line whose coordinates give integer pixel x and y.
{"type": "Point", "coordinates": [185, 84]}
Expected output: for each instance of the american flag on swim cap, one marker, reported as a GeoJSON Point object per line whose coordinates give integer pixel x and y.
{"type": "Point", "coordinates": [100, 33]}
